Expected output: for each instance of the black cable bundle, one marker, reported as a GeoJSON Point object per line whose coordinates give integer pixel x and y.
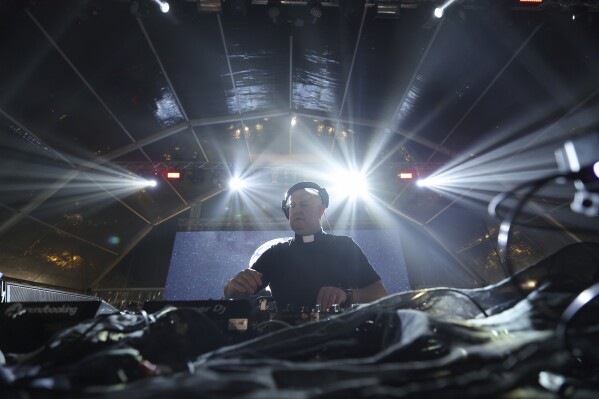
{"type": "Point", "coordinates": [113, 350]}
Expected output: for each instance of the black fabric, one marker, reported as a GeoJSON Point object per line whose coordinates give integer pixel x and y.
{"type": "Point", "coordinates": [297, 270]}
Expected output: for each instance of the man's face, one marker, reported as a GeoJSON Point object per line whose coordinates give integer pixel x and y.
{"type": "Point", "coordinates": [305, 210]}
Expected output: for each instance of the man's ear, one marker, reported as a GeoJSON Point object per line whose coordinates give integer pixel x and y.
{"type": "Point", "coordinates": [321, 211]}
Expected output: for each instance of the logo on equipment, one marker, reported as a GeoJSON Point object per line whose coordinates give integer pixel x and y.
{"type": "Point", "coordinates": [262, 248]}
{"type": "Point", "coordinates": [18, 309]}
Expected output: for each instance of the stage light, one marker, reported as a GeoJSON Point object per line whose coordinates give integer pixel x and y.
{"type": "Point", "coordinates": [236, 184]}
{"type": "Point", "coordinates": [439, 11]}
{"type": "Point", "coordinates": [145, 183]}
{"type": "Point", "coordinates": [173, 175]}
{"type": "Point", "coordinates": [352, 184]}
{"type": "Point", "coordinates": [316, 13]}
{"type": "Point", "coordinates": [586, 203]}
{"type": "Point", "coordinates": [405, 175]}
{"type": "Point", "coordinates": [164, 6]}
{"type": "Point", "coordinates": [387, 9]}
{"type": "Point", "coordinates": [581, 156]}
{"type": "Point", "coordinates": [208, 6]}
{"type": "Point", "coordinates": [530, 1]}
{"type": "Point", "coordinates": [293, 121]}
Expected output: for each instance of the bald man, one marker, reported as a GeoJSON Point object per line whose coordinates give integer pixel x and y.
{"type": "Point", "coordinates": [313, 267]}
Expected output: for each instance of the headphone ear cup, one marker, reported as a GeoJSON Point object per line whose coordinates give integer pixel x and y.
{"type": "Point", "coordinates": [285, 208]}
{"type": "Point", "coordinates": [325, 196]}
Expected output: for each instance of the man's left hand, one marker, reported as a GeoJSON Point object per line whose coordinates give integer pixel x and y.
{"type": "Point", "coordinates": [328, 296]}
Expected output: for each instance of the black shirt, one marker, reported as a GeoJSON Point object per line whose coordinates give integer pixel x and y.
{"type": "Point", "coordinates": [296, 270]}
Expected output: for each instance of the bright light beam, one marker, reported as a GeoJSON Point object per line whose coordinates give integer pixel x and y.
{"type": "Point", "coordinates": [352, 184]}
{"type": "Point", "coordinates": [164, 6]}
{"type": "Point", "coordinates": [236, 184]}
{"type": "Point", "coordinates": [439, 11]}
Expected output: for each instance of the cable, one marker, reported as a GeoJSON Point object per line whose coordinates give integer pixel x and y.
{"type": "Point", "coordinates": [506, 225]}
{"type": "Point", "coordinates": [583, 299]}
{"type": "Point", "coordinates": [328, 223]}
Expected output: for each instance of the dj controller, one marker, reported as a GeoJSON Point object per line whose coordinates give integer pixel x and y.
{"type": "Point", "coordinates": [239, 319]}
{"type": "Point", "coordinates": [28, 325]}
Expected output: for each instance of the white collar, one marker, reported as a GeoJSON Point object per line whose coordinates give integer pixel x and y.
{"type": "Point", "coordinates": [309, 238]}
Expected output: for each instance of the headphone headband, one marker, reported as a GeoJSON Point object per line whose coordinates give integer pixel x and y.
{"type": "Point", "coordinates": [324, 195]}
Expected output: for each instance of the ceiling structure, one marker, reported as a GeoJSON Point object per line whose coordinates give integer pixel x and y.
{"type": "Point", "coordinates": [96, 96]}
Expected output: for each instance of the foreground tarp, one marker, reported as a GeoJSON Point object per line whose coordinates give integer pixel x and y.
{"type": "Point", "coordinates": [443, 342]}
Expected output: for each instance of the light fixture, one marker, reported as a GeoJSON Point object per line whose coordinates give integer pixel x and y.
{"type": "Point", "coordinates": [173, 175]}
{"type": "Point", "coordinates": [315, 12]}
{"type": "Point", "coordinates": [141, 8]}
{"type": "Point", "coordinates": [351, 184]}
{"type": "Point", "coordinates": [164, 6]}
{"type": "Point", "coordinates": [236, 183]}
{"type": "Point", "coordinates": [387, 9]}
{"type": "Point", "coordinates": [209, 6]}
{"type": "Point", "coordinates": [439, 11]}
{"type": "Point", "coordinates": [580, 156]}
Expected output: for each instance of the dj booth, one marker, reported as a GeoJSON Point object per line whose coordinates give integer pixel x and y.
{"type": "Point", "coordinates": [503, 341]}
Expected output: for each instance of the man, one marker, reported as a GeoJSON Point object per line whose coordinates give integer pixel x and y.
{"type": "Point", "coordinates": [313, 267]}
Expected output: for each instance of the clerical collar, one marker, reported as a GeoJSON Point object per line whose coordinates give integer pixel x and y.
{"type": "Point", "coordinates": [309, 238]}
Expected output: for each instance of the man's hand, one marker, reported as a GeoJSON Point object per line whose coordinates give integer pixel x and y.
{"type": "Point", "coordinates": [328, 296]}
{"type": "Point", "coordinates": [245, 283]}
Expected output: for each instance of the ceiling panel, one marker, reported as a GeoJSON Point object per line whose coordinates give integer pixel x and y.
{"type": "Point", "coordinates": [85, 210]}
{"type": "Point", "coordinates": [40, 254]}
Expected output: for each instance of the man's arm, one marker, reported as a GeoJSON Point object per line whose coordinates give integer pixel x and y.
{"type": "Point", "coordinates": [244, 284]}
{"type": "Point", "coordinates": [328, 296]}
{"type": "Point", "coordinates": [369, 293]}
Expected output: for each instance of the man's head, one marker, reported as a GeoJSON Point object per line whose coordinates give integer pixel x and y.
{"type": "Point", "coordinates": [304, 205]}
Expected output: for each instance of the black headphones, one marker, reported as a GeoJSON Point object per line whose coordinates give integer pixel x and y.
{"type": "Point", "coordinates": [305, 184]}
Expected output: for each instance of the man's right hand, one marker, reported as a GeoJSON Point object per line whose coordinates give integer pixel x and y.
{"type": "Point", "coordinates": [245, 283]}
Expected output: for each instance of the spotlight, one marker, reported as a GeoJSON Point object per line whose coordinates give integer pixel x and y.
{"type": "Point", "coordinates": [387, 9]}
{"type": "Point", "coordinates": [316, 13]}
{"type": "Point", "coordinates": [352, 184]}
{"type": "Point", "coordinates": [164, 6]}
{"type": "Point", "coordinates": [141, 8]}
{"type": "Point", "coordinates": [585, 203]}
{"type": "Point", "coordinates": [293, 121]}
{"type": "Point", "coordinates": [145, 183]}
{"type": "Point", "coordinates": [236, 184]}
{"type": "Point", "coordinates": [581, 156]}
{"type": "Point", "coordinates": [439, 11]}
